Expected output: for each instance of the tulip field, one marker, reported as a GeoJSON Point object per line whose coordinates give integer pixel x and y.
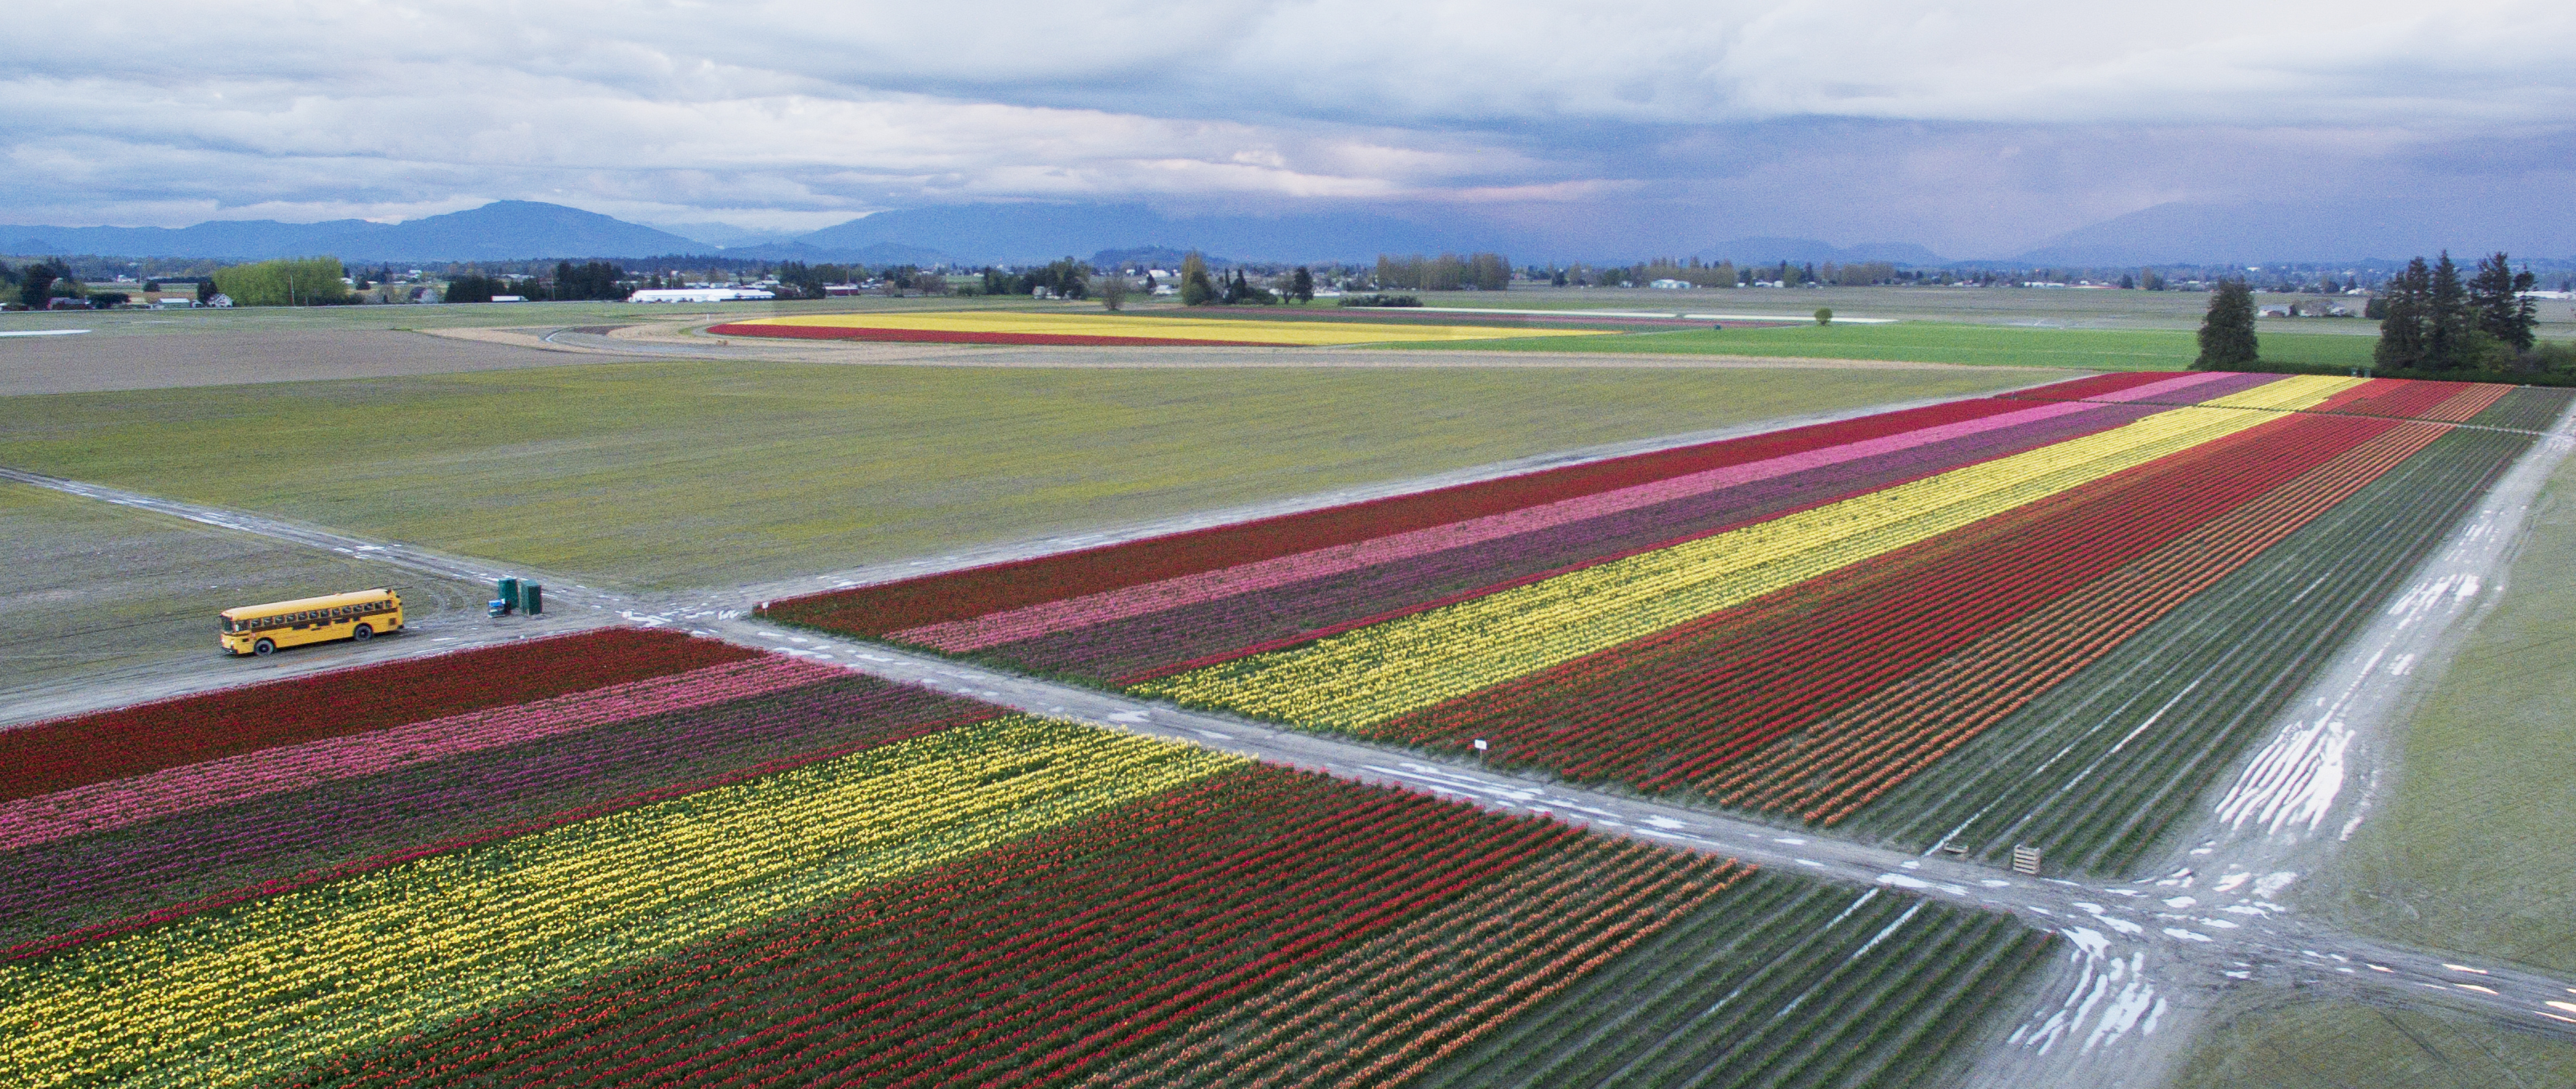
{"type": "Point", "coordinates": [1903, 624]}
{"type": "Point", "coordinates": [628, 857]}
{"type": "Point", "coordinates": [1129, 330]}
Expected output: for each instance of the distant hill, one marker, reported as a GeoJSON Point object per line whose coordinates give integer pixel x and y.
{"type": "Point", "coordinates": [232, 240]}
{"type": "Point", "coordinates": [725, 234]}
{"type": "Point", "coordinates": [508, 230]}
{"type": "Point", "coordinates": [1805, 250]}
{"type": "Point", "coordinates": [878, 253]}
{"type": "Point", "coordinates": [1163, 257]}
{"type": "Point", "coordinates": [1030, 233]}
{"type": "Point", "coordinates": [2327, 231]}
{"type": "Point", "coordinates": [505, 230]}
{"type": "Point", "coordinates": [963, 234]}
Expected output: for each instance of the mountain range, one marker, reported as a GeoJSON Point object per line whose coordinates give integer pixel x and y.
{"type": "Point", "coordinates": [2177, 233]}
{"type": "Point", "coordinates": [2337, 231]}
{"type": "Point", "coordinates": [505, 230]}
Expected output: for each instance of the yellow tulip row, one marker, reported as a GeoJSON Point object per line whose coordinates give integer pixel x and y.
{"type": "Point", "coordinates": [245, 995]}
{"type": "Point", "coordinates": [1367, 676]}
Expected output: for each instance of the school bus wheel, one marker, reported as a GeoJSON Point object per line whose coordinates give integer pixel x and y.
{"type": "Point", "coordinates": [363, 633]}
{"type": "Point", "coordinates": [263, 648]}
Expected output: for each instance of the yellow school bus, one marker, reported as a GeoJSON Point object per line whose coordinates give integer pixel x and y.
{"type": "Point", "coordinates": [359, 615]}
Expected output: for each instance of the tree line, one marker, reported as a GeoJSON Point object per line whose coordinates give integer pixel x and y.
{"type": "Point", "coordinates": [1447, 272]}
{"type": "Point", "coordinates": [1699, 273]}
{"type": "Point", "coordinates": [2431, 321]}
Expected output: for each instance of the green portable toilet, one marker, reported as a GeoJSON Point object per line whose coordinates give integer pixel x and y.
{"type": "Point", "coordinates": [532, 598]}
{"type": "Point", "coordinates": [510, 591]}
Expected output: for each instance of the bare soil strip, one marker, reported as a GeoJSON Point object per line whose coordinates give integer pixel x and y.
{"type": "Point", "coordinates": [102, 364]}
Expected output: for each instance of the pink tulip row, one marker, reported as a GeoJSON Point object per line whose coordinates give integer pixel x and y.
{"type": "Point", "coordinates": [124, 802]}
{"type": "Point", "coordinates": [993, 629]}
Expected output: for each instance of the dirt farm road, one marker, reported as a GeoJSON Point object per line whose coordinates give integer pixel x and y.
{"type": "Point", "coordinates": [2213, 931]}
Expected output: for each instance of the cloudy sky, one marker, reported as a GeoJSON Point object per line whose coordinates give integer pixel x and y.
{"type": "Point", "coordinates": [1976, 130]}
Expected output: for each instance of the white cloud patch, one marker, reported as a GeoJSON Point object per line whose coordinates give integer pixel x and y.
{"type": "Point", "coordinates": [1972, 125]}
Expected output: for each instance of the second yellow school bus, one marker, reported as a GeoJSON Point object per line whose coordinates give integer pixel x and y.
{"type": "Point", "coordinates": [359, 615]}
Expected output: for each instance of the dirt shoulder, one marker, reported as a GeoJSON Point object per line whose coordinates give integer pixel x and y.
{"type": "Point", "coordinates": [92, 364]}
{"type": "Point", "coordinates": [103, 602]}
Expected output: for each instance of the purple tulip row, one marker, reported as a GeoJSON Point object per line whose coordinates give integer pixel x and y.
{"type": "Point", "coordinates": [1128, 647]}
{"type": "Point", "coordinates": [71, 883]}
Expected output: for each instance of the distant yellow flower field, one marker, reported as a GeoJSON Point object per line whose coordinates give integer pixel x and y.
{"type": "Point", "coordinates": [990, 327]}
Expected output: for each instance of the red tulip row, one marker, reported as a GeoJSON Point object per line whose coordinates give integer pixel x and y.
{"type": "Point", "coordinates": [1046, 959]}
{"type": "Point", "coordinates": [2414, 400]}
{"type": "Point", "coordinates": [876, 610]}
{"type": "Point", "coordinates": [1375, 1013]}
{"type": "Point", "coordinates": [1828, 771]}
{"type": "Point", "coordinates": [961, 336]}
{"type": "Point", "coordinates": [128, 741]}
{"type": "Point", "coordinates": [1677, 707]}
{"type": "Point", "coordinates": [75, 890]}
{"type": "Point", "coordinates": [1148, 644]}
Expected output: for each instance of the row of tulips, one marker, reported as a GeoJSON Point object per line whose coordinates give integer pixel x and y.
{"type": "Point", "coordinates": [962, 595]}
{"type": "Point", "coordinates": [1370, 1015]}
{"type": "Point", "coordinates": [1668, 710]}
{"type": "Point", "coordinates": [1828, 771]}
{"type": "Point", "coordinates": [51, 756]}
{"type": "Point", "coordinates": [249, 992]}
{"type": "Point", "coordinates": [67, 887]}
{"type": "Point", "coordinates": [99, 807]}
{"type": "Point", "coordinates": [1178, 638]}
{"type": "Point", "coordinates": [1655, 497]}
{"type": "Point", "coordinates": [1057, 956]}
{"type": "Point", "coordinates": [1366, 676]}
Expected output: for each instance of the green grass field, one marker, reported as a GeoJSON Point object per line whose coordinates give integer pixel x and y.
{"type": "Point", "coordinates": [87, 587]}
{"type": "Point", "coordinates": [670, 474]}
{"type": "Point", "coordinates": [1935, 342]}
{"type": "Point", "coordinates": [2471, 850]}
{"type": "Point", "coordinates": [2331, 1044]}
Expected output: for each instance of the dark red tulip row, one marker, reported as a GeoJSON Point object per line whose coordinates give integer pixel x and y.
{"type": "Point", "coordinates": [1034, 963]}
{"type": "Point", "coordinates": [1675, 707]}
{"type": "Point", "coordinates": [876, 610]}
{"type": "Point", "coordinates": [128, 741]}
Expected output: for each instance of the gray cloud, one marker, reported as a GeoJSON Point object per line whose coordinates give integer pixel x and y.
{"type": "Point", "coordinates": [1973, 129]}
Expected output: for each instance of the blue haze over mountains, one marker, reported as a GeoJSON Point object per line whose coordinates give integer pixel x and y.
{"type": "Point", "coordinates": [1030, 233]}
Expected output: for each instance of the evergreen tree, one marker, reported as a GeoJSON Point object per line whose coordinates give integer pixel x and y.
{"type": "Point", "coordinates": [1303, 287]}
{"type": "Point", "coordinates": [1195, 288]}
{"type": "Point", "coordinates": [2495, 297]}
{"type": "Point", "coordinates": [36, 286]}
{"type": "Point", "coordinates": [2227, 331]}
{"type": "Point", "coordinates": [2406, 303]}
{"type": "Point", "coordinates": [2447, 320]}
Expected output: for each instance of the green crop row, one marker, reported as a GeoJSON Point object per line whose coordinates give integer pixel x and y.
{"type": "Point", "coordinates": [2097, 769]}
{"type": "Point", "coordinates": [1780, 983]}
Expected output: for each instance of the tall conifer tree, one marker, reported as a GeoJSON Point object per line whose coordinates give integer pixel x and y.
{"type": "Point", "coordinates": [2447, 320]}
{"type": "Point", "coordinates": [2405, 301]}
{"type": "Point", "coordinates": [2227, 331]}
{"type": "Point", "coordinates": [2495, 297]}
